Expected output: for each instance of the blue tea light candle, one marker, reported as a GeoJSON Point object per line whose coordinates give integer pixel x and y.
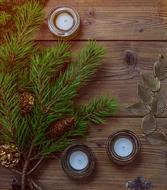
{"type": "Point", "coordinates": [78, 161]}
{"type": "Point", "coordinates": [123, 147]}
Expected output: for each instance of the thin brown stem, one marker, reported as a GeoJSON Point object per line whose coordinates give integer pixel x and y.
{"type": "Point", "coordinates": [36, 157]}
{"type": "Point", "coordinates": [36, 166]}
{"type": "Point", "coordinates": [15, 171]}
{"type": "Point", "coordinates": [27, 161]}
{"type": "Point", "coordinates": [34, 185]}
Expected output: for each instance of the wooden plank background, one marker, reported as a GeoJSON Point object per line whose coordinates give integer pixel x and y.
{"type": "Point", "coordinates": [119, 25]}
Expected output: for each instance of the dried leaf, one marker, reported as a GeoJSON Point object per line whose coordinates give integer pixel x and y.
{"type": "Point", "coordinates": [139, 108]}
{"type": "Point", "coordinates": [157, 138]}
{"type": "Point", "coordinates": [160, 68]}
{"type": "Point", "coordinates": [150, 81]}
{"type": "Point", "coordinates": [158, 104]}
{"type": "Point", "coordinates": [149, 124]}
{"type": "Point", "coordinates": [145, 94]}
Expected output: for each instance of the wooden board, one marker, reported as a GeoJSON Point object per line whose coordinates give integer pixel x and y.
{"type": "Point", "coordinates": [115, 20]}
{"type": "Point", "coordinates": [115, 76]}
{"type": "Point", "coordinates": [152, 164]}
{"type": "Point", "coordinates": [119, 25]}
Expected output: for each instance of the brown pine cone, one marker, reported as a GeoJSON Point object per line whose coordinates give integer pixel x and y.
{"type": "Point", "coordinates": [9, 155]}
{"type": "Point", "coordinates": [26, 102]}
{"type": "Point", "coordinates": [60, 127]}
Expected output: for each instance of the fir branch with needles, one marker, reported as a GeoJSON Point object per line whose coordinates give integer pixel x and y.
{"type": "Point", "coordinates": [4, 17]}
{"type": "Point", "coordinates": [18, 44]}
{"type": "Point", "coordinates": [66, 86]}
{"type": "Point", "coordinates": [53, 77]}
{"type": "Point", "coordinates": [98, 109]}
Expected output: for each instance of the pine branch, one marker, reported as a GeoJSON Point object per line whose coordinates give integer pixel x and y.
{"type": "Point", "coordinates": [80, 129]}
{"type": "Point", "coordinates": [66, 86]}
{"type": "Point", "coordinates": [4, 17]}
{"type": "Point", "coordinates": [15, 128]}
{"type": "Point", "coordinates": [42, 68]}
{"type": "Point", "coordinates": [18, 45]}
{"type": "Point", "coordinates": [98, 109]}
{"type": "Point", "coordinates": [51, 147]}
{"type": "Point", "coordinates": [8, 106]}
{"type": "Point", "coordinates": [27, 20]}
{"type": "Point", "coordinates": [56, 99]}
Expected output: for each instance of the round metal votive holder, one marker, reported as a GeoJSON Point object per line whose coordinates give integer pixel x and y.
{"type": "Point", "coordinates": [119, 159]}
{"type": "Point", "coordinates": [67, 34]}
{"type": "Point", "coordinates": [78, 174]}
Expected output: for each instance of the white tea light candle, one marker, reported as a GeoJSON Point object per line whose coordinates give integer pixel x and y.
{"type": "Point", "coordinates": [64, 22]}
{"type": "Point", "coordinates": [78, 160]}
{"type": "Point", "coordinates": [123, 147]}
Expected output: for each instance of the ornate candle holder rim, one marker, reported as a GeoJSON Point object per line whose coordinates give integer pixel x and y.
{"type": "Point", "coordinates": [136, 147]}
{"type": "Point", "coordinates": [78, 174]}
{"type": "Point", "coordinates": [63, 33]}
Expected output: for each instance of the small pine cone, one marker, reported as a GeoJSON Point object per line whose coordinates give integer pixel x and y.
{"type": "Point", "coordinates": [60, 127]}
{"type": "Point", "coordinates": [9, 155]}
{"type": "Point", "coordinates": [26, 102]}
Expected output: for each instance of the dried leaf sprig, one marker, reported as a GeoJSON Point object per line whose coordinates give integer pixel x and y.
{"type": "Point", "coordinates": [152, 102]}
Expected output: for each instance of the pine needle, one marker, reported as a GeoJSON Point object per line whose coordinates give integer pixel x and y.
{"type": "Point", "coordinates": [18, 45]}
{"type": "Point", "coordinates": [98, 109]}
{"type": "Point", "coordinates": [42, 69]}
{"type": "Point", "coordinates": [4, 17]}
{"type": "Point", "coordinates": [66, 86]}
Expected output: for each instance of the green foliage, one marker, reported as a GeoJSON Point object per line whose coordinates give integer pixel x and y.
{"type": "Point", "coordinates": [54, 100]}
{"type": "Point", "coordinates": [53, 76]}
{"type": "Point", "coordinates": [15, 128]}
{"type": "Point", "coordinates": [43, 67]}
{"type": "Point", "coordinates": [18, 45]}
{"type": "Point", "coordinates": [66, 86]}
{"type": "Point", "coordinates": [4, 17]}
{"type": "Point", "coordinates": [2, 1]}
{"type": "Point", "coordinates": [98, 109]}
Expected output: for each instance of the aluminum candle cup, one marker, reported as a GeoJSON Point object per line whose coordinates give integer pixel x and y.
{"type": "Point", "coordinates": [123, 147]}
{"type": "Point", "coordinates": [78, 161]}
{"type": "Point", "coordinates": [64, 22]}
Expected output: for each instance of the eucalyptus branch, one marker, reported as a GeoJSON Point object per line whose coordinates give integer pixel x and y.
{"type": "Point", "coordinates": [149, 92]}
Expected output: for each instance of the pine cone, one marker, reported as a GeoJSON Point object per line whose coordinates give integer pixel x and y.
{"type": "Point", "coordinates": [60, 127]}
{"type": "Point", "coordinates": [9, 155]}
{"type": "Point", "coordinates": [26, 102]}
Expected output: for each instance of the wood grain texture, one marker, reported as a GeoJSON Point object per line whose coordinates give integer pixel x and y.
{"type": "Point", "coordinates": [116, 77]}
{"type": "Point", "coordinates": [114, 20]}
{"type": "Point", "coordinates": [152, 164]}
{"type": "Point", "coordinates": [119, 25]}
